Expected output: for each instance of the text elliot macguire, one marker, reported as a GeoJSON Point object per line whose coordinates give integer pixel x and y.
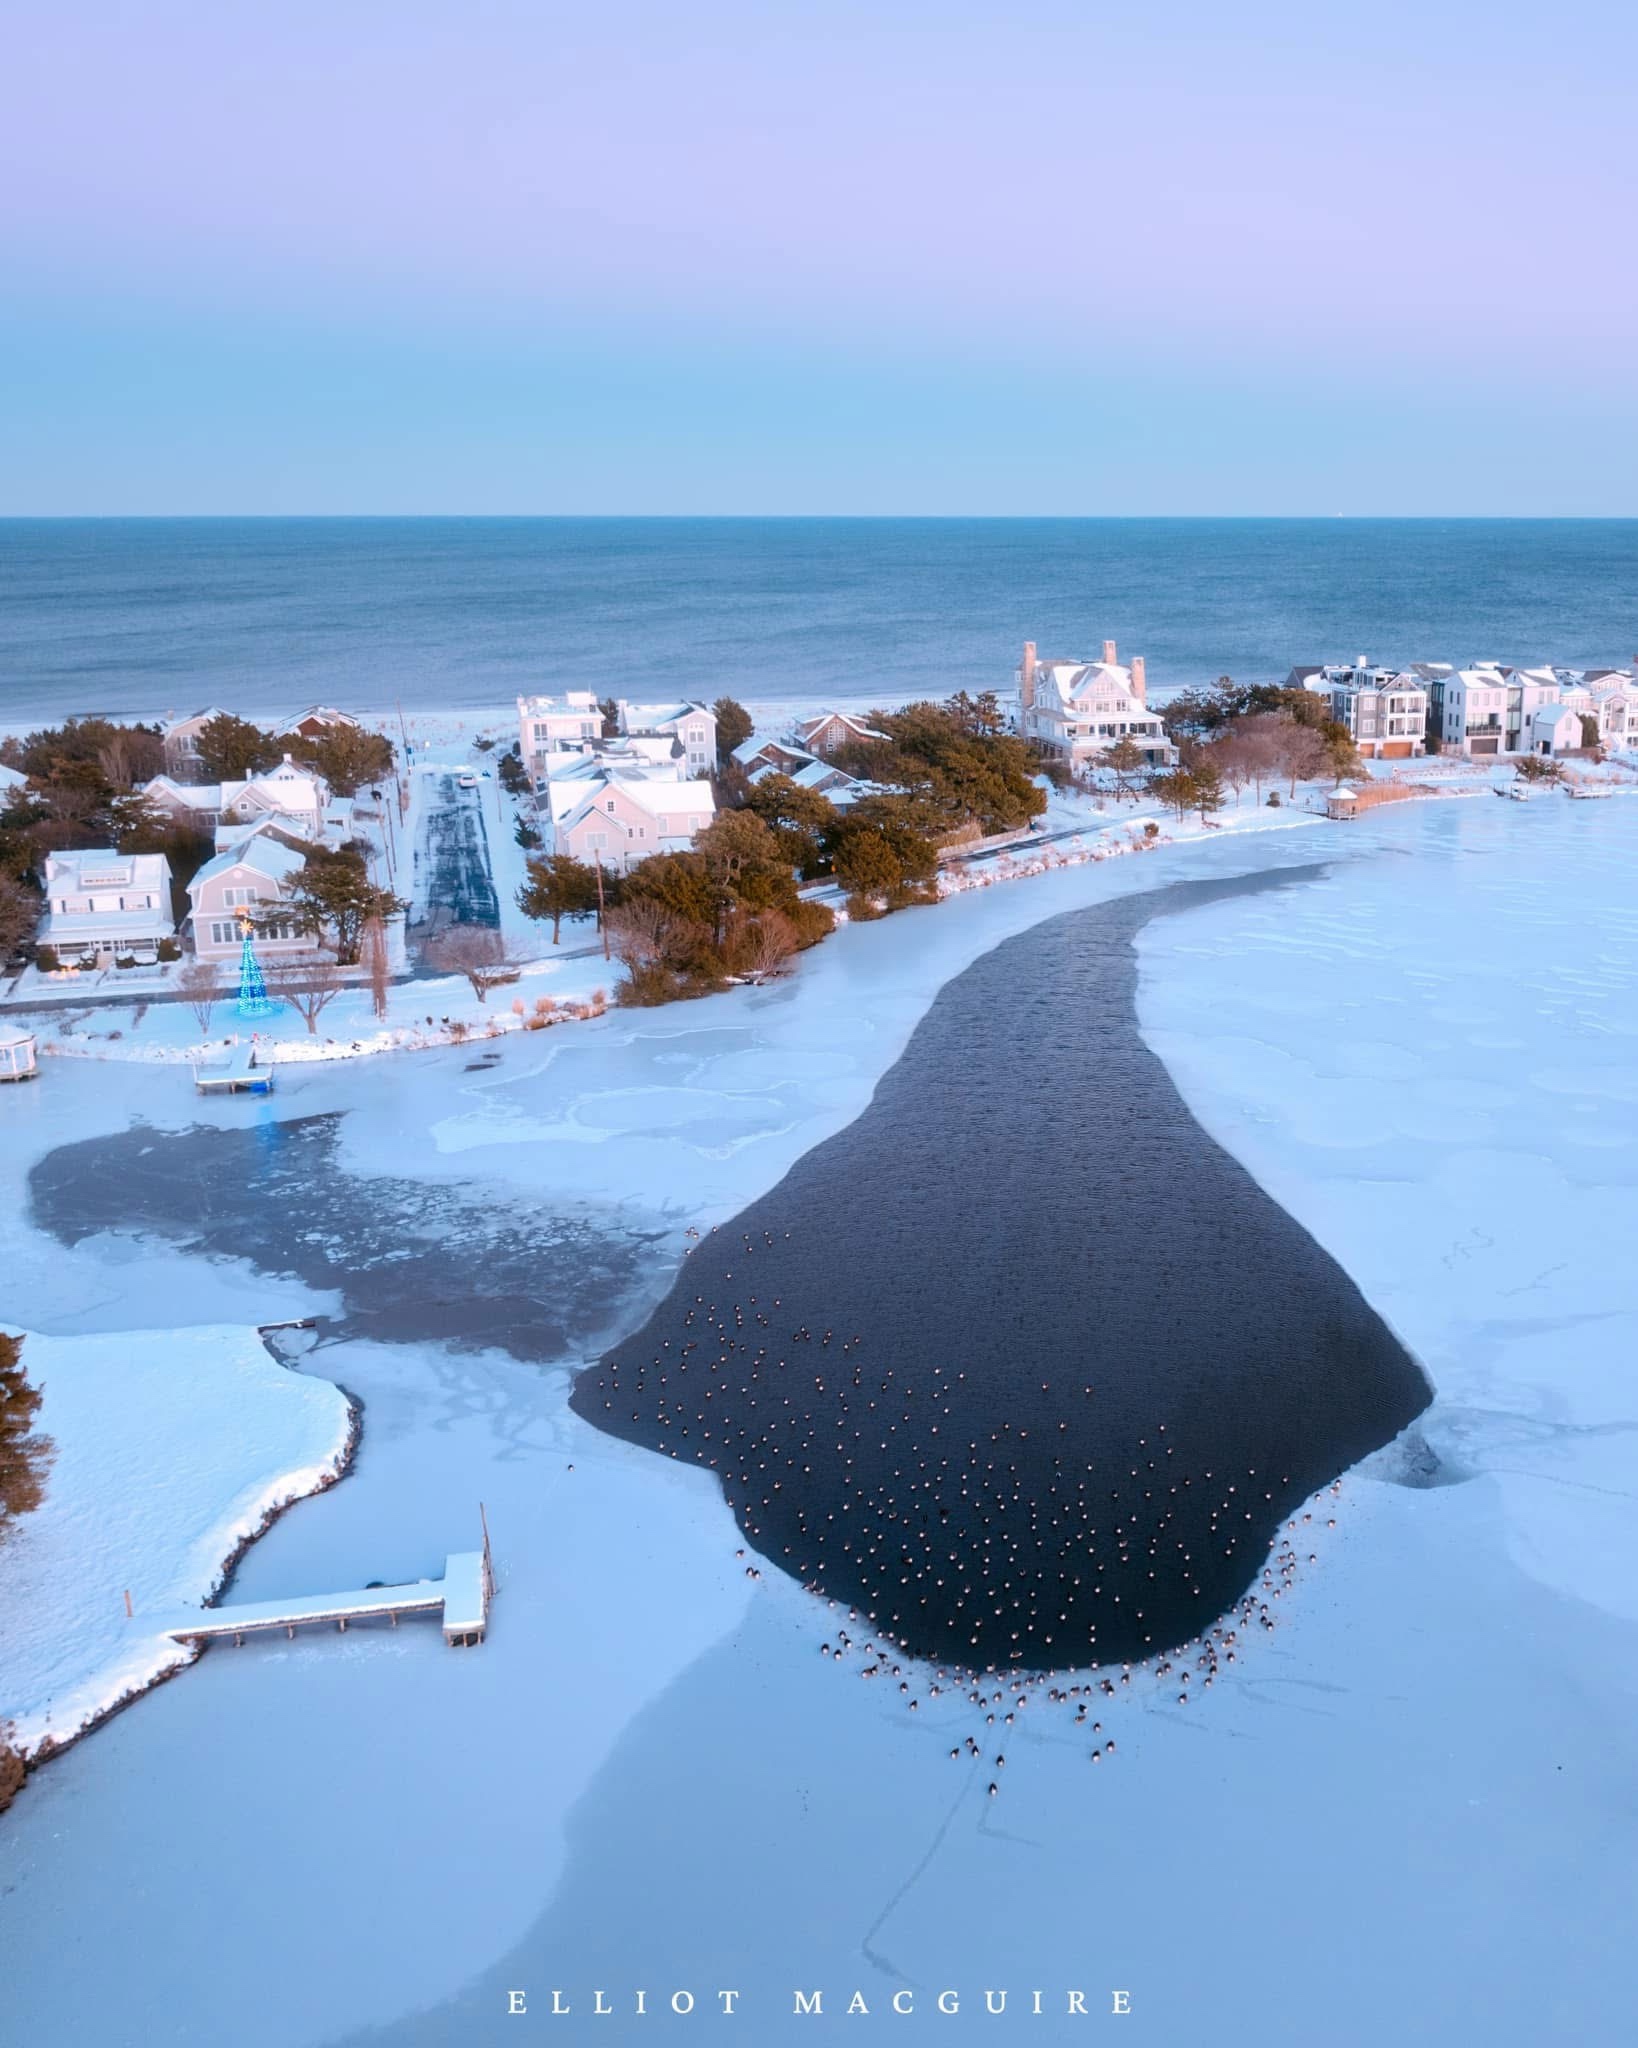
{"type": "Point", "coordinates": [558, 2004]}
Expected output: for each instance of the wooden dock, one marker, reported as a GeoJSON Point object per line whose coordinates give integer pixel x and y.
{"type": "Point", "coordinates": [461, 1596]}
{"type": "Point", "coordinates": [235, 1074]}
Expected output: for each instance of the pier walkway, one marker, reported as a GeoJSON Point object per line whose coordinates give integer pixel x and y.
{"type": "Point", "coordinates": [461, 1596]}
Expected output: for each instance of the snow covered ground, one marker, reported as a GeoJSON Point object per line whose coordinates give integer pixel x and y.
{"type": "Point", "coordinates": [173, 1447]}
{"type": "Point", "coordinates": [1402, 1817]}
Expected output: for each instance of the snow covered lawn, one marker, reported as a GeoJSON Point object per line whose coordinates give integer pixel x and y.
{"type": "Point", "coordinates": [173, 1449]}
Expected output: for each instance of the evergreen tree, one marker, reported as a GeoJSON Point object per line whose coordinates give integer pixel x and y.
{"type": "Point", "coordinates": [347, 757]}
{"type": "Point", "coordinates": [232, 749]}
{"type": "Point", "coordinates": [734, 726]}
{"type": "Point", "coordinates": [334, 892]}
{"type": "Point", "coordinates": [24, 1456]}
{"type": "Point", "coordinates": [558, 887]}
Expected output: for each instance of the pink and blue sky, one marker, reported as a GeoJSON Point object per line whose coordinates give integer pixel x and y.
{"type": "Point", "coordinates": [888, 257]}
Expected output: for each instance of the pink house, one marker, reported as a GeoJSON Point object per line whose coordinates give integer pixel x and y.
{"type": "Point", "coordinates": [616, 823]}
{"type": "Point", "coordinates": [252, 878]}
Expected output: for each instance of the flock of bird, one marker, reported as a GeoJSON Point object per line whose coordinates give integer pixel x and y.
{"type": "Point", "coordinates": [979, 1558]}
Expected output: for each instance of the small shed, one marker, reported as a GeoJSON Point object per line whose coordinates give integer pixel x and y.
{"type": "Point", "coordinates": [18, 1059]}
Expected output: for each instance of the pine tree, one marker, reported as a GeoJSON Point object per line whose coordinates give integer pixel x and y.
{"type": "Point", "coordinates": [24, 1456]}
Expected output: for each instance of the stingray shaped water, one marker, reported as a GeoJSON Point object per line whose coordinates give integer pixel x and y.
{"type": "Point", "coordinates": [1021, 1365]}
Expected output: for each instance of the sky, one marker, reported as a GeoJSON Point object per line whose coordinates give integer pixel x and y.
{"type": "Point", "coordinates": [1049, 256]}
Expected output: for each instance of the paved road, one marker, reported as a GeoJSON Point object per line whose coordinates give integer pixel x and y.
{"type": "Point", "coordinates": [454, 883]}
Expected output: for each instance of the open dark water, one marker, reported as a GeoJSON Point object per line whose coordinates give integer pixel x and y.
{"type": "Point", "coordinates": [414, 1262]}
{"type": "Point", "coordinates": [1021, 1365]}
{"type": "Point", "coordinates": [139, 616]}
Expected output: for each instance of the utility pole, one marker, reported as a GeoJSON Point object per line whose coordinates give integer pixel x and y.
{"type": "Point", "coordinates": [602, 921]}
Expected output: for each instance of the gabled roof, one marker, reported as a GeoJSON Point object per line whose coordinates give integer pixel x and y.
{"type": "Point", "coordinates": [261, 853]}
{"type": "Point", "coordinates": [657, 799]}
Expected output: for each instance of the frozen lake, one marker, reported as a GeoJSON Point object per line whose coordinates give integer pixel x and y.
{"type": "Point", "coordinates": [1401, 1815]}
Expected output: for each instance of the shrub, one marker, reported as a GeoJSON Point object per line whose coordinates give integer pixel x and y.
{"type": "Point", "coordinates": [483, 745]}
{"type": "Point", "coordinates": [46, 959]}
{"type": "Point", "coordinates": [1273, 799]}
{"type": "Point", "coordinates": [169, 950]}
{"type": "Point", "coordinates": [11, 1774]}
{"type": "Point", "coordinates": [124, 959]}
{"type": "Point", "coordinates": [526, 835]}
{"type": "Point", "coordinates": [1151, 830]}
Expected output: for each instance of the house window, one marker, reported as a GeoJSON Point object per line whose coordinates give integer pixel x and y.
{"type": "Point", "coordinates": [224, 931]}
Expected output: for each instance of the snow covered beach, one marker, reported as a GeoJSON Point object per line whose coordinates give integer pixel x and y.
{"type": "Point", "coordinates": [1377, 1819]}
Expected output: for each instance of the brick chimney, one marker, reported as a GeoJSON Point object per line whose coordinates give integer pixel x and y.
{"type": "Point", "coordinates": [1140, 679]}
{"type": "Point", "coordinates": [1026, 676]}
{"type": "Point", "coordinates": [1109, 652]}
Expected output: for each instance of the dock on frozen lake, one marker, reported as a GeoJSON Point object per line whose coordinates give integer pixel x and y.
{"type": "Point", "coordinates": [461, 1596]}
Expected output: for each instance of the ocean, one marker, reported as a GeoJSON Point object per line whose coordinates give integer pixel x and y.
{"type": "Point", "coordinates": [143, 617]}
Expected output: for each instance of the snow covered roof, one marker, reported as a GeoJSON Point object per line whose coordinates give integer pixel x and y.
{"type": "Point", "coordinates": [286, 786]}
{"type": "Point", "coordinates": [261, 853]}
{"type": "Point", "coordinates": [193, 721]}
{"type": "Point", "coordinates": [322, 714]}
{"type": "Point", "coordinates": [660, 799]}
{"type": "Point", "coordinates": [11, 778]}
{"type": "Point", "coordinates": [649, 718]}
{"type": "Point", "coordinates": [196, 796]}
{"type": "Point", "coordinates": [101, 867]}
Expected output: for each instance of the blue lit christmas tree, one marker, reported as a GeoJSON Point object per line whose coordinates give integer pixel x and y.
{"type": "Point", "coordinates": [254, 1000]}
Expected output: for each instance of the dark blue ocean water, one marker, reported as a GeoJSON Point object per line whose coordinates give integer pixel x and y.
{"type": "Point", "coordinates": [266, 615]}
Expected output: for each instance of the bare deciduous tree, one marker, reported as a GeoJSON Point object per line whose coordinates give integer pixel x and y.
{"type": "Point", "coordinates": [642, 931]}
{"type": "Point", "coordinates": [770, 945]}
{"type": "Point", "coordinates": [202, 986]}
{"type": "Point", "coordinates": [474, 950]}
{"type": "Point", "coordinates": [375, 957]}
{"type": "Point", "coordinates": [309, 986]}
{"type": "Point", "coordinates": [1303, 754]}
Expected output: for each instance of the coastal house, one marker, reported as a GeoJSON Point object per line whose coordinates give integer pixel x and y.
{"type": "Point", "coordinates": [616, 819]}
{"type": "Point", "coordinates": [779, 755]}
{"type": "Point", "coordinates": [1614, 697]}
{"type": "Point", "coordinates": [620, 800]}
{"type": "Point", "coordinates": [287, 790]}
{"type": "Point", "coordinates": [298, 795]}
{"type": "Point", "coordinates": [180, 740]}
{"type": "Point", "coordinates": [102, 902]}
{"type": "Point", "coordinates": [1528, 691]}
{"type": "Point", "coordinates": [1384, 710]}
{"type": "Point", "coordinates": [314, 723]}
{"type": "Point", "coordinates": [250, 879]}
{"type": "Point", "coordinates": [821, 777]}
{"type": "Point", "coordinates": [691, 725]}
{"type": "Point", "coordinates": [830, 729]}
{"type": "Point", "coordinates": [1077, 710]}
{"type": "Point", "coordinates": [1554, 729]}
{"type": "Point", "coordinates": [1471, 711]}
{"type": "Point", "coordinates": [548, 724]}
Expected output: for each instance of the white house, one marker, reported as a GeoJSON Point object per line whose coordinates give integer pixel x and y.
{"type": "Point", "coordinates": [12, 783]}
{"type": "Point", "coordinates": [692, 725]}
{"type": "Point", "coordinates": [196, 806]}
{"type": "Point", "coordinates": [1077, 710]}
{"type": "Point", "coordinates": [288, 790]}
{"type": "Point", "coordinates": [1472, 714]}
{"type": "Point", "coordinates": [548, 724]}
{"type": "Point", "coordinates": [106, 902]}
{"type": "Point", "coordinates": [249, 879]}
{"type": "Point", "coordinates": [1615, 706]}
{"type": "Point", "coordinates": [1554, 729]}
